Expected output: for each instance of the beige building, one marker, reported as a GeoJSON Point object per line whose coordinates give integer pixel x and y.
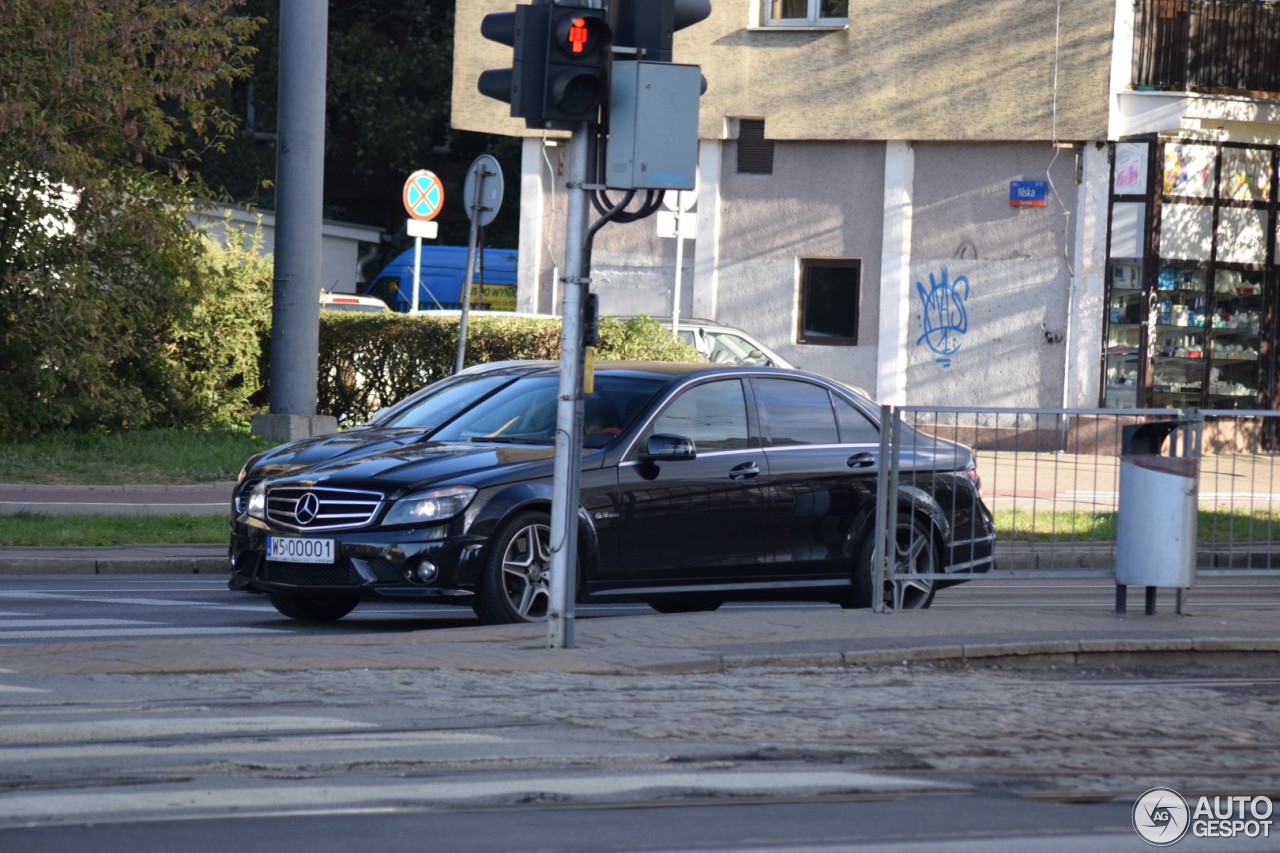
{"type": "Point", "coordinates": [912, 197]}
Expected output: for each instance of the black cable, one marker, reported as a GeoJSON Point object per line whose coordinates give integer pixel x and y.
{"type": "Point", "coordinates": [602, 203]}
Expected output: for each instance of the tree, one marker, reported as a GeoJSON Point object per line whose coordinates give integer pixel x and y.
{"type": "Point", "coordinates": [103, 108]}
{"type": "Point", "coordinates": [389, 78]}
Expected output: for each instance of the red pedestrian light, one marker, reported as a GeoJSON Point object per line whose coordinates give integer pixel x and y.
{"type": "Point", "coordinates": [578, 35]}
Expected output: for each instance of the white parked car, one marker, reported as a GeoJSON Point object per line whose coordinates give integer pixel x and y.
{"type": "Point", "coordinates": [725, 344]}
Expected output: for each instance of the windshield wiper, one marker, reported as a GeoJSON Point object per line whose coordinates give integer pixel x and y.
{"type": "Point", "coordinates": [503, 439]}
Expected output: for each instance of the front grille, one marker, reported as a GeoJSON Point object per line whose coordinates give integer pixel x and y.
{"type": "Point", "coordinates": [384, 571]}
{"type": "Point", "coordinates": [309, 575]}
{"type": "Point", "coordinates": [312, 509]}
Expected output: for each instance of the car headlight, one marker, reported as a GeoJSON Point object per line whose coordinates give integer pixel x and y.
{"type": "Point", "coordinates": [257, 504]}
{"type": "Point", "coordinates": [432, 506]}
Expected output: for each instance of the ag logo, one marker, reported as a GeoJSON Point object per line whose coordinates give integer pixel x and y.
{"type": "Point", "coordinates": [1161, 816]}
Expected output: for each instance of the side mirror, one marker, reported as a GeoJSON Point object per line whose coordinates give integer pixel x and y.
{"type": "Point", "coordinates": [669, 448]}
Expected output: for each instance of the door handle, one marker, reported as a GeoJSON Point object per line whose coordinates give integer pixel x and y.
{"type": "Point", "coordinates": [745, 471]}
{"type": "Point", "coordinates": [861, 460]}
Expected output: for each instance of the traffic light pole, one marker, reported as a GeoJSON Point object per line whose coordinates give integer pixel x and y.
{"type": "Point", "coordinates": [568, 463]}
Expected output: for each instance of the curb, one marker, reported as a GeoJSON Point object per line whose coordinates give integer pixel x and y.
{"type": "Point", "coordinates": [1063, 652]}
{"type": "Point", "coordinates": [202, 560]}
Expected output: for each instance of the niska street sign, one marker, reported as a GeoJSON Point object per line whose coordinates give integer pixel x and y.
{"type": "Point", "coordinates": [1028, 194]}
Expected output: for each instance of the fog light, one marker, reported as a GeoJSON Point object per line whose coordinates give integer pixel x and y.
{"type": "Point", "coordinates": [427, 571]}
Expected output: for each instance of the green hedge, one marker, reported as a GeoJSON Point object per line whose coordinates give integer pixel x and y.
{"type": "Point", "coordinates": [368, 361]}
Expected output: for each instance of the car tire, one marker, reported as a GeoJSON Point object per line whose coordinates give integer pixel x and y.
{"type": "Point", "coordinates": [316, 607]}
{"type": "Point", "coordinates": [915, 552]}
{"type": "Point", "coordinates": [677, 604]}
{"type": "Point", "coordinates": [515, 580]}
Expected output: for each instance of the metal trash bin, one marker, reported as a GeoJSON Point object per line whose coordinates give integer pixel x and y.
{"type": "Point", "coordinates": [1156, 519]}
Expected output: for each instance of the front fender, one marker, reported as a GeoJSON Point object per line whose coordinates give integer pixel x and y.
{"type": "Point", "coordinates": [537, 496]}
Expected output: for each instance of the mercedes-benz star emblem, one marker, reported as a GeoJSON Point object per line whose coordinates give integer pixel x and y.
{"type": "Point", "coordinates": [307, 508]}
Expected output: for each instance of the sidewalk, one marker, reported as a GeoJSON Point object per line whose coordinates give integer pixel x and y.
{"type": "Point", "coordinates": [199, 499]}
{"type": "Point", "coordinates": [702, 642]}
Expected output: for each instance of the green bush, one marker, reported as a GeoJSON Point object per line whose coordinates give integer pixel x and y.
{"type": "Point", "coordinates": [215, 370]}
{"type": "Point", "coordinates": [368, 361]}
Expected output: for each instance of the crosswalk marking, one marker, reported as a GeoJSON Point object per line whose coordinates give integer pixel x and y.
{"type": "Point", "coordinates": [58, 623]}
{"type": "Point", "coordinates": [122, 806]}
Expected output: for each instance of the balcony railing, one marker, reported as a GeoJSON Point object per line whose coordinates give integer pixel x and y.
{"type": "Point", "coordinates": [1217, 46]}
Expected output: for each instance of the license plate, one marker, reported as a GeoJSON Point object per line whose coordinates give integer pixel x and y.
{"type": "Point", "coordinates": [286, 549]}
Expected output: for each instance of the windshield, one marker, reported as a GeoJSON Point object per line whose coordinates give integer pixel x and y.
{"type": "Point", "coordinates": [728, 348]}
{"type": "Point", "coordinates": [524, 412]}
{"type": "Point", "coordinates": [437, 407]}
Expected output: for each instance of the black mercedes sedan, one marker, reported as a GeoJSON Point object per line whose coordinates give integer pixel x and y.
{"type": "Point", "coordinates": [700, 484]}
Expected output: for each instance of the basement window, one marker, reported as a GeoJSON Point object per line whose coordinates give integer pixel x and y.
{"type": "Point", "coordinates": [755, 153]}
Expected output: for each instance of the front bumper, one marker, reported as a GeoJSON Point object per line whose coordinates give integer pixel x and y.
{"type": "Point", "coordinates": [388, 565]}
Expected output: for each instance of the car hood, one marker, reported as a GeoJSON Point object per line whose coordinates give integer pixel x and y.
{"type": "Point", "coordinates": [306, 452]}
{"type": "Point", "coordinates": [396, 470]}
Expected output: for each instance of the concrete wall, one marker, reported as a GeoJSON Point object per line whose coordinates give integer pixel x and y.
{"type": "Point", "coordinates": [823, 200]}
{"type": "Point", "coordinates": [991, 282]}
{"type": "Point", "coordinates": [926, 70]}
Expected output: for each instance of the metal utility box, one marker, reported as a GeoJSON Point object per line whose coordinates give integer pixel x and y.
{"type": "Point", "coordinates": [653, 126]}
{"type": "Point", "coordinates": [1156, 527]}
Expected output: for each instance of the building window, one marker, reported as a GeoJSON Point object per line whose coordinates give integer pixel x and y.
{"type": "Point", "coordinates": [755, 153]}
{"type": "Point", "coordinates": [806, 13]}
{"type": "Point", "coordinates": [830, 289]}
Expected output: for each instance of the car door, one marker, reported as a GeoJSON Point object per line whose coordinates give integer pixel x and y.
{"type": "Point", "coordinates": [694, 520]}
{"type": "Point", "coordinates": [823, 456]}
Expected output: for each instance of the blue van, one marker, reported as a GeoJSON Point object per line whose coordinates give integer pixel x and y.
{"type": "Point", "coordinates": [442, 276]}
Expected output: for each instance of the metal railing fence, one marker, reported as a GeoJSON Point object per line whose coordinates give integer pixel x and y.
{"type": "Point", "coordinates": [1051, 479]}
{"type": "Point", "coordinates": [1206, 45]}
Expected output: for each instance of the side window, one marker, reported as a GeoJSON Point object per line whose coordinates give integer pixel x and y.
{"type": "Point", "coordinates": [855, 427]}
{"type": "Point", "coordinates": [386, 288]}
{"type": "Point", "coordinates": [830, 290]}
{"type": "Point", "coordinates": [795, 412]}
{"type": "Point", "coordinates": [714, 415]}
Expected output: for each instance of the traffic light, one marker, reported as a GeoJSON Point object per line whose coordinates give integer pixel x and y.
{"type": "Point", "coordinates": [577, 70]}
{"type": "Point", "coordinates": [523, 84]}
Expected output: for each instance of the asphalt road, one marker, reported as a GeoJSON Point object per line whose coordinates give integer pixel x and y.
{"type": "Point", "coordinates": [53, 608]}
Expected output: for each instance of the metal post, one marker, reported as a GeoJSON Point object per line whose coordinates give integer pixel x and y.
{"type": "Point", "coordinates": [417, 274]}
{"type": "Point", "coordinates": [882, 512]}
{"type": "Point", "coordinates": [568, 462]}
{"type": "Point", "coordinates": [295, 311]}
{"type": "Point", "coordinates": [466, 288]}
{"type": "Point", "coordinates": [675, 299]}
{"type": "Point", "coordinates": [890, 555]}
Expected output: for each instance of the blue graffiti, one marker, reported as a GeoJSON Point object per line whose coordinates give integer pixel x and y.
{"type": "Point", "coordinates": [942, 315]}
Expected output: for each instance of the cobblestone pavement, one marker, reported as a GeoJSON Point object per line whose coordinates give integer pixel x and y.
{"type": "Point", "coordinates": [1053, 733]}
